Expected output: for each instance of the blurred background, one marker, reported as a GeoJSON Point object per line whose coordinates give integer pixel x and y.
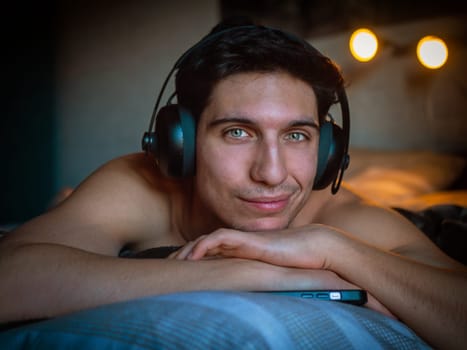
{"type": "Point", "coordinates": [81, 77]}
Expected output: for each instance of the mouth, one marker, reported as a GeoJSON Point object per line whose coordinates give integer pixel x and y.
{"type": "Point", "coordinates": [268, 204]}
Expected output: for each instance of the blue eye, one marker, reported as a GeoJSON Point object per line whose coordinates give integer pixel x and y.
{"type": "Point", "coordinates": [236, 133]}
{"type": "Point", "coordinates": [296, 136]}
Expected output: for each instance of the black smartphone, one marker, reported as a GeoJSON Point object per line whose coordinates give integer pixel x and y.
{"type": "Point", "coordinates": [351, 296]}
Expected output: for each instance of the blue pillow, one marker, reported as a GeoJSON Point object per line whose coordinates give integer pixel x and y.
{"type": "Point", "coordinates": [217, 320]}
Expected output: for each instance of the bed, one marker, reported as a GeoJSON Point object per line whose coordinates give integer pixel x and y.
{"type": "Point", "coordinates": [413, 180]}
{"type": "Point", "coordinates": [217, 320]}
{"type": "Point", "coordinates": [428, 188]}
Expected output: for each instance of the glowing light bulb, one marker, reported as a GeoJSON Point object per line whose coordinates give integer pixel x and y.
{"type": "Point", "coordinates": [432, 52]}
{"type": "Point", "coordinates": [363, 44]}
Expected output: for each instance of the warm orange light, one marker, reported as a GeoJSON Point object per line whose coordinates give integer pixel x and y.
{"type": "Point", "coordinates": [432, 52]}
{"type": "Point", "coordinates": [363, 44]}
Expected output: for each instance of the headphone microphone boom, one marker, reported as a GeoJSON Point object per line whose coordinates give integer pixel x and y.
{"type": "Point", "coordinates": [172, 140]}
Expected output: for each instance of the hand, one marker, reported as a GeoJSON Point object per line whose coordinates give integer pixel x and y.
{"type": "Point", "coordinates": [304, 247]}
{"type": "Point", "coordinates": [271, 277]}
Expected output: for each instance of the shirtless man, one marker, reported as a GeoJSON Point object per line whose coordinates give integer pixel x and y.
{"type": "Point", "coordinates": [259, 100]}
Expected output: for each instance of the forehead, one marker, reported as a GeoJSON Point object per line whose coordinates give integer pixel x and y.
{"type": "Point", "coordinates": [258, 96]}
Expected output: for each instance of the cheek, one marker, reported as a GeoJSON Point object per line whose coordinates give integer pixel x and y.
{"type": "Point", "coordinates": [218, 177]}
{"type": "Point", "coordinates": [302, 167]}
{"type": "Point", "coordinates": [218, 165]}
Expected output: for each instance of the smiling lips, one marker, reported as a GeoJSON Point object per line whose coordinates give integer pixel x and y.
{"type": "Point", "coordinates": [268, 204]}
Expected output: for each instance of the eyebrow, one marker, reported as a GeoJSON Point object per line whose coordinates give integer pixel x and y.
{"type": "Point", "coordinates": [246, 121]}
{"type": "Point", "coordinates": [304, 122]}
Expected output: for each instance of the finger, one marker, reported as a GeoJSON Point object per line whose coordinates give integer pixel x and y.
{"type": "Point", "coordinates": [225, 243]}
{"type": "Point", "coordinates": [181, 253]}
{"type": "Point", "coordinates": [185, 251]}
{"type": "Point", "coordinates": [234, 244]}
{"type": "Point", "coordinates": [203, 251]}
{"type": "Point", "coordinates": [174, 254]}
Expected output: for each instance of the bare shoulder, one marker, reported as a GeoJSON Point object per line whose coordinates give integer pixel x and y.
{"type": "Point", "coordinates": [367, 221]}
{"type": "Point", "coordinates": [380, 226]}
{"type": "Point", "coordinates": [125, 201]}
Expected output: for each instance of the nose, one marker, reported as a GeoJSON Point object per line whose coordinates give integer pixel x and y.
{"type": "Point", "coordinates": [269, 166]}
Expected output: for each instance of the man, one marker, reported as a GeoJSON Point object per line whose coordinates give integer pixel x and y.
{"type": "Point", "coordinates": [249, 212]}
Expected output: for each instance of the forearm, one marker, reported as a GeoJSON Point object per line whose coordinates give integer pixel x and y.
{"type": "Point", "coordinates": [431, 300]}
{"type": "Point", "coordinates": [45, 280]}
{"type": "Point", "coordinates": [428, 299]}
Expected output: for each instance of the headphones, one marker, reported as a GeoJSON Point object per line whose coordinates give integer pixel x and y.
{"type": "Point", "coordinates": [172, 142]}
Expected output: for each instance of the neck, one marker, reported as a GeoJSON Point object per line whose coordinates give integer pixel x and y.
{"type": "Point", "coordinates": [196, 219]}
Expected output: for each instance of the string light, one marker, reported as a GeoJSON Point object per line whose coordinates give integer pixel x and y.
{"type": "Point", "coordinates": [363, 44]}
{"type": "Point", "coordinates": [432, 52]}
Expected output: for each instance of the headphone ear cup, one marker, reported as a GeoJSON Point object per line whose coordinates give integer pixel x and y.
{"type": "Point", "coordinates": [175, 138]}
{"type": "Point", "coordinates": [330, 154]}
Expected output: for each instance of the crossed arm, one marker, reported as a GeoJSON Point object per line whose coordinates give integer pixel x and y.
{"type": "Point", "coordinates": [42, 280]}
{"type": "Point", "coordinates": [49, 279]}
{"type": "Point", "coordinates": [430, 299]}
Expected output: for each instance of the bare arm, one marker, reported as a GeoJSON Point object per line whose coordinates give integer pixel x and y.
{"type": "Point", "coordinates": [66, 259]}
{"type": "Point", "coordinates": [46, 280]}
{"type": "Point", "coordinates": [416, 282]}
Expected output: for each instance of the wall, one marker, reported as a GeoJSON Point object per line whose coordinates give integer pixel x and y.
{"type": "Point", "coordinates": [111, 58]}
{"type": "Point", "coordinates": [27, 119]}
{"type": "Point", "coordinates": [111, 64]}
{"type": "Point", "coordinates": [395, 103]}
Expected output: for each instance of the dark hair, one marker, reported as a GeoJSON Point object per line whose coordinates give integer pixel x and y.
{"type": "Point", "coordinates": [242, 48]}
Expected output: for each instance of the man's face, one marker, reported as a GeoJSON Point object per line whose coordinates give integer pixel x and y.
{"type": "Point", "coordinates": [257, 145]}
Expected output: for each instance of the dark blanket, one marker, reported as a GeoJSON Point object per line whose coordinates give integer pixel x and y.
{"type": "Point", "coordinates": [445, 225]}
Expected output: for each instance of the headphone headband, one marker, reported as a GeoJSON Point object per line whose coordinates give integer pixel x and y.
{"type": "Point", "coordinates": [205, 40]}
{"type": "Point", "coordinates": [345, 114]}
